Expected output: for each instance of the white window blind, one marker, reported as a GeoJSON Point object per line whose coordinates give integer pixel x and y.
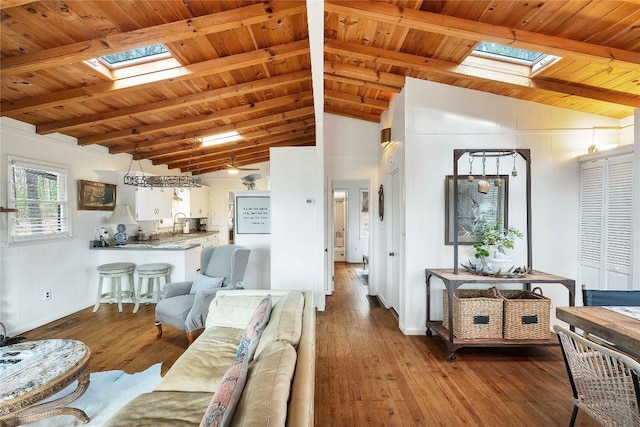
{"type": "Point", "coordinates": [38, 190]}
{"type": "Point", "coordinates": [619, 215]}
{"type": "Point", "coordinates": [592, 208]}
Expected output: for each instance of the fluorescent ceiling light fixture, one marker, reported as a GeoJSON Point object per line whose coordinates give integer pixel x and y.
{"type": "Point", "coordinates": [135, 56]}
{"type": "Point", "coordinates": [221, 138]}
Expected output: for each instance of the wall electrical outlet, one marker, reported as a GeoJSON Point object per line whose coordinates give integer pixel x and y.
{"type": "Point", "coordinates": [47, 295]}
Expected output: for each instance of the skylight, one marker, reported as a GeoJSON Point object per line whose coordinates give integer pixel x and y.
{"type": "Point", "coordinates": [514, 53]}
{"type": "Point", "coordinates": [136, 56]}
{"type": "Point", "coordinates": [536, 61]}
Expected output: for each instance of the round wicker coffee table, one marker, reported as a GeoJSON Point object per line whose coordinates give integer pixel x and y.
{"type": "Point", "coordinates": [33, 371]}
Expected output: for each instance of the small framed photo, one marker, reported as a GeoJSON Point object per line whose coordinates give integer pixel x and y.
{"type": "Point", "coordinates": [475, 208]}
{"type": "Point", "coordinates": [96, 196]}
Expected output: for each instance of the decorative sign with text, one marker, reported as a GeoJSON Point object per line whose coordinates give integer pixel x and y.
{"type": "Point", "coordinates": [253, 215]}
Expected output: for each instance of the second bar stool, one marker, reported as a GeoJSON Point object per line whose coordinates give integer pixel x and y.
{"type": "Point", "coordinates": [115, 271]}
{"type": "Point", "coordinates": [152, 273]}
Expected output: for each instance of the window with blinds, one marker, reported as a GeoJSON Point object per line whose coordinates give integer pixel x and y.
{"type": "Point", "coordinates": [38, 191]}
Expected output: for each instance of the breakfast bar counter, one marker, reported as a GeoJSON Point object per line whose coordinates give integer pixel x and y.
{"type": "Point", "coordinates": [181, 251]}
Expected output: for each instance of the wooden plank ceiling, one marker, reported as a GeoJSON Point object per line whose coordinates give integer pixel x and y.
{"type": "Point", "coordinates": [245, 65]}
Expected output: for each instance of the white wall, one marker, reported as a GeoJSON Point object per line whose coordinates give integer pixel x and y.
{"type": "Point", "coordinates": [66, 267]}
{"type": "Point", "coordinates": [296, 237]}
{"type": "Point", "coordinates": [350, 153]}
{"type": "Point", "coordinates": [440, 118]}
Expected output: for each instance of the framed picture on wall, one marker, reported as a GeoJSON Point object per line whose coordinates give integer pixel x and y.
{"type": "Point", "coordinates": [96, 196]}
{"type": "Point", "coordinates": [474, 207]}
{"type": "Point", "coordinates": [253, 215]}
{"type": "Point", "coordinates": [364, 214]}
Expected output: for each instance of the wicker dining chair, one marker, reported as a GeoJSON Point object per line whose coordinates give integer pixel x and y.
{"type": "Point", "coordinates": [604, 382]}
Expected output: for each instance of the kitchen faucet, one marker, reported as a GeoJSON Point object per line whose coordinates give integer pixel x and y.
{"type": "Point", "coordinates": [174, 222]}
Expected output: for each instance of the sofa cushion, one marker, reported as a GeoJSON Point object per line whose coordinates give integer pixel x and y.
{"type": "Point", "coordinates": [204, 363]}
{"type": "Point", "coordinates": [264, 399]}
{"type": "Point", "coordinates": [227, 395]}
{"type": "Point", "coordinates": [205, 283]}
{"type": "Point", "coordinates": [285, 323]}
{"type": "Point", "coordinates": [253, 331]}
{"type": "Point", "coordinates": [162, 409]}
{"type": "Point", "coordinates": [233, 309]}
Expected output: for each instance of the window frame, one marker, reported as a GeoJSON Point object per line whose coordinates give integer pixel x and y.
{"type": "Point", "coordinates": [62, 200]}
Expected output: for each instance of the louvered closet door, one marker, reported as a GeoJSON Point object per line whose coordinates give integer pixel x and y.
{"type": "Point", "coordinates": [606, 209]}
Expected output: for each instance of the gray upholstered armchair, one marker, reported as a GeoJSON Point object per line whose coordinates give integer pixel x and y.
{"type": "Point", "coordinates": [187, 310]}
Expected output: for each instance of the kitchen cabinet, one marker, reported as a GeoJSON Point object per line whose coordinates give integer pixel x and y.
{"type": "Point", "coordinates": [204, 241]}
{"type": "Point", "coordinates": [199, 202]}
{"type": "Point", "coordinates": [152, 203]}
{"type": "Point", "coordinates": [195, 202]}
{"type": "Point", "coordinates": [146, 203]}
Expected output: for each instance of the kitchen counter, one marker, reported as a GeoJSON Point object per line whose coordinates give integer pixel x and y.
{"type": "Point", "coordinates": [182, 251]}
{"type": "Point", "coordinates": [179, 242]}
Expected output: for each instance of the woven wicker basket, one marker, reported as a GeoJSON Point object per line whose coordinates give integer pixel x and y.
{"type": "Point", "coordinates": [477, 313]}
{"type": "Point", "coordinates": [526, 315]}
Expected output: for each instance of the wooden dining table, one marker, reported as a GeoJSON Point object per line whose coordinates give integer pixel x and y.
{"type": "Point", "coordinates": [620, 329]}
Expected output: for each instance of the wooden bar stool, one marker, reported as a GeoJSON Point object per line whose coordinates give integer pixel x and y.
{"type": "Point", "coordinates": [153, 273]}
{"type": "Point", "coordinates": [115, 271]}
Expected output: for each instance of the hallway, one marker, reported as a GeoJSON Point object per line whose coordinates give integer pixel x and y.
{"type": "Point", "coordinates": [369, 374]}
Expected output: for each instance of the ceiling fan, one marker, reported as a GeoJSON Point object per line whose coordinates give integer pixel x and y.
{"type": "Point", "coordinates": [233, 169]}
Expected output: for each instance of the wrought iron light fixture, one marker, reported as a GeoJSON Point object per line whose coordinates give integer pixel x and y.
{"type": "Point", "coordinates": [161, 181]}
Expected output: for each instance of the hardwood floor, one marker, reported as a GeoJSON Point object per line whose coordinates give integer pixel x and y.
{"type": "Point", "coordinates": [367, 372]}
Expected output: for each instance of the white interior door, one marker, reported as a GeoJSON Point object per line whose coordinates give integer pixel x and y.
{"type": "Point", "coordinates": [394, 240]}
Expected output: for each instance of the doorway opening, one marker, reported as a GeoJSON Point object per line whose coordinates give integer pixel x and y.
{"type": "Point", "coordinates": [339, 224]}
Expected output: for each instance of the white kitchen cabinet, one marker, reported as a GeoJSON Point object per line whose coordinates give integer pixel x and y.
{"type": "Point", "coordinates": [146, 203]}
{"type": "Point", "coordinates": [199, 203]}
{"type": "Point", "coordinates": [204, 241]}
{"type": "Point", "coordinates": [152, 203]}
{"type": "Point", "coordinates": [195, 202]}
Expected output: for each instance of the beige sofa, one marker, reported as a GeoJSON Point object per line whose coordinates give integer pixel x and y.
{"type": "Point", "coordinates": [280, 384]}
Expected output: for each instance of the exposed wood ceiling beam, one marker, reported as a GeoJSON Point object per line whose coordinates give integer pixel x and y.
{"type": "Point", "coordinates": [361, 83]}
{"type": "Point", "coordinates": [172, 103]}
{"type": "Point", "coordinates": [186, 122]}
{"type": "Point", "coordinates": [166, 33]}
{"type": "Point", "coordinates": [6, 4]}
{"type": "Point", "coordinates": [266, 135]}
{"type": "Point", "coordinates": [480, 31]}
{"type": "Point", "coordinates": [256, 159]}
{"type": "Point", "coordinates": [243, 147]}
{"type": "Point", "coordinates": [473, 71]}
{"type": "Point", "coordinates": [249, 154]}
{"type": "Point", "coordinates": [352, 113]}
{"type": "Point", "coordinates": [297, 114]}
{"type": "Point", "coordinates": [101, 90]}
{"type": "Point", "coordinates": [364, 74]}
{"type": "Point", "coordinates": [355, 99]}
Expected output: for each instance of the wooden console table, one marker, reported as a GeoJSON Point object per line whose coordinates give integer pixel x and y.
{"type": "Point", "coordinates": [454, 281]}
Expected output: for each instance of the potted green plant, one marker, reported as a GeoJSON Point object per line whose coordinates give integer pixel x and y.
{"type": "Point", "coordinates": [495, 235]}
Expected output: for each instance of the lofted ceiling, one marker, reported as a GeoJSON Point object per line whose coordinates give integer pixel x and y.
{"type": "Point", "coordinates": [245, 66]}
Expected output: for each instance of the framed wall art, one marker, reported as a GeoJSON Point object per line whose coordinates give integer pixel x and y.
{"type": "Point", "coordinates": [475, 208]}
{"type": "Point", "coordinates": [253, 215]}
{"type": "Point", "coordinates": [96, 196]}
